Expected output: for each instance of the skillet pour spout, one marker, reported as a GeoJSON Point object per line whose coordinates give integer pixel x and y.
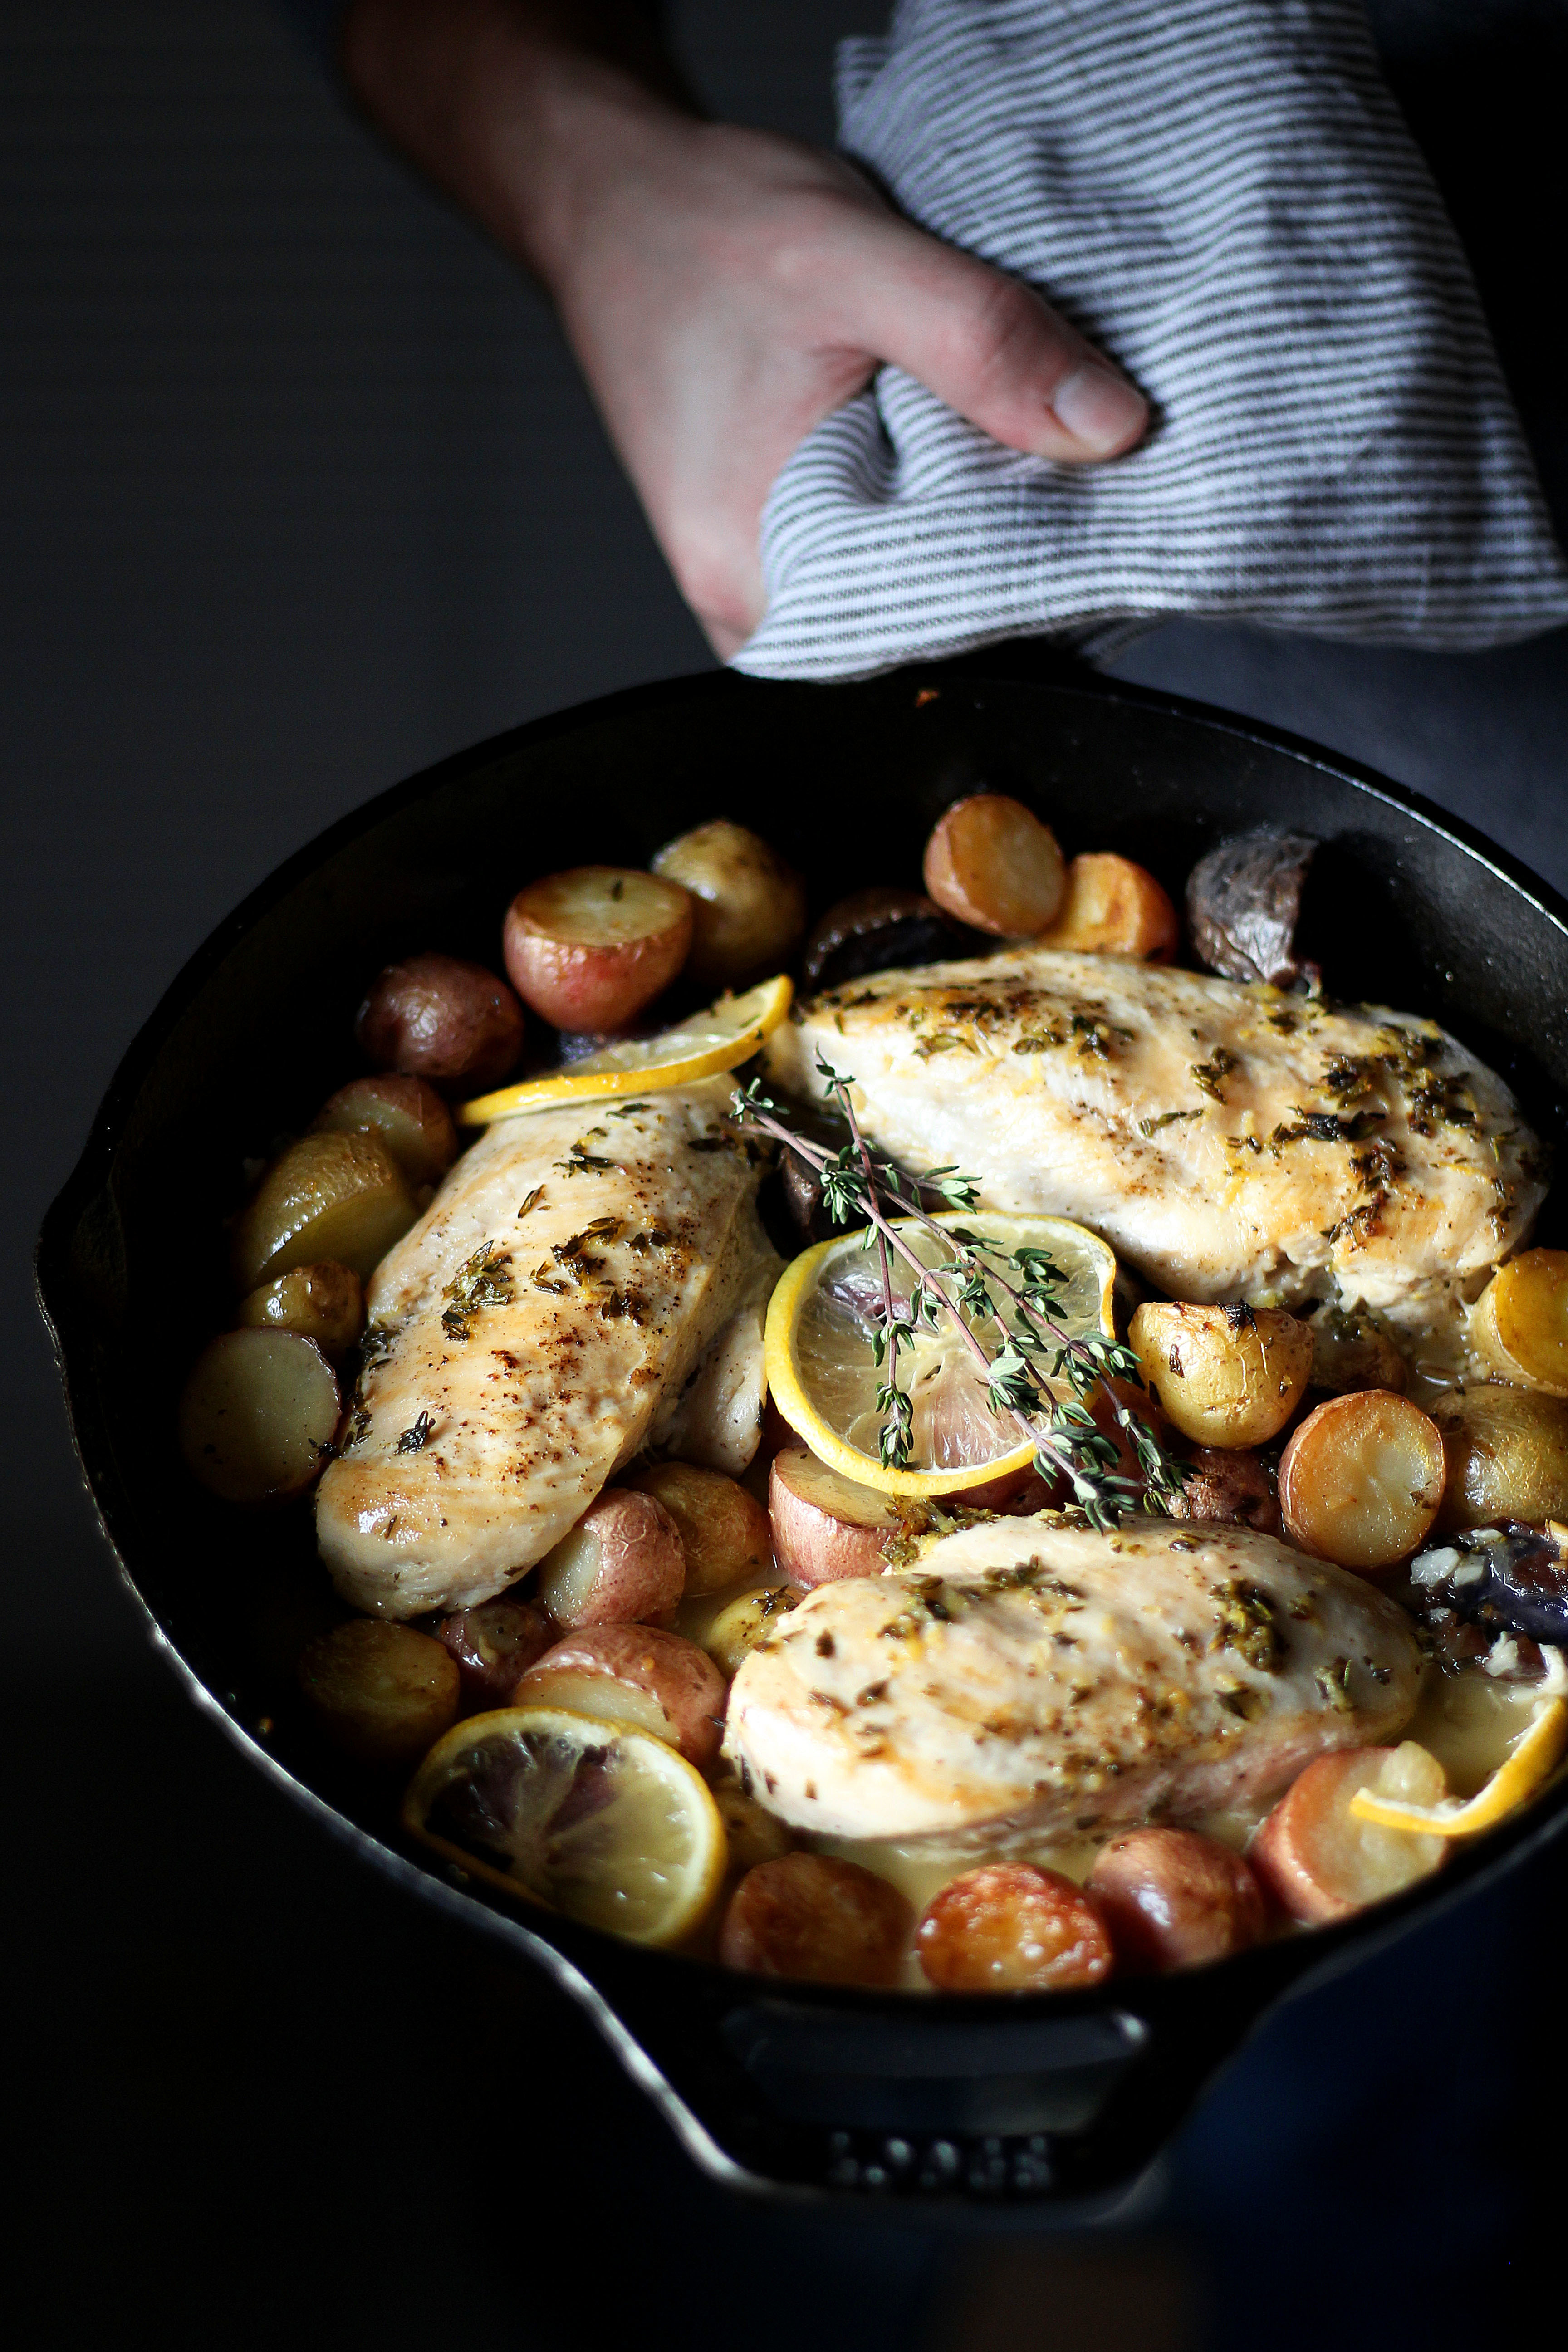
{"type": "Point", "coordinates": [800, 2092]}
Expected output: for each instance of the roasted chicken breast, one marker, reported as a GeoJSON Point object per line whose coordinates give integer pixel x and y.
{"type": "Point", "coordinates": [1030, 1680]}
{"type": "Point", "coordinates": [1229, 1140]}
{"type": "Point", "coordinates": [587, 1281]}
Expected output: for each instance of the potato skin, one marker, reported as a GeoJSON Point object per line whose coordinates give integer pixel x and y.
{"type": "Point", "coordinates": [1350, 1352]}
{"type": "Point", "coordinates": [1519, 1323]}
{"type": "Point", "coordinates": [1230, 1488]}
{"type": "Point", "coordinates": [724, 1532]}
{"type": "Point", "coordinates": [878, 929]}
{"type": "Point", "coordinates": [635, 1673]}
{"type": "Point", "coordinates": [822, 1529]}
{"type": "Point", "coordinates": [990, 862]}
{"type": "Point", "coordinates": [1505, 1455]}
{"type": "Point", "coordinates": [258, 1415]}
{"type": "Point", "coordinates": [1013, 1926]}
{"type": "Point", "coordinates": [1318, 1862]}
{"type": "Point", "coordinates": [727, 1626]}
{"type": "Point", "coordinates": [1173, 1899]}
{"type": "Point", "coordinates": [623, 1562]}
{"type": "Point", "coordinates": [816, 1919]}
{"type": "Point", "coordinates": [324, 1302]}
{"type": "Point", "coordinates": [494, 1643]}
{"type": "Point", "coordinates": [327, 1196]}
{"type": "Point", "coordinates": [382, 1693]}
{"type": "Point", "coordinates": [437, 1017]}
{"type": "Point", "coordinates": [1224, 1375]}
{"type": "Point", "coordinates": [404, 1113]}
{"type": "Point", "coordinates": [589, 948]}
{"type": "Point", "coordinates": [1114, 908]}
{"type": "Point", "coordinates": [749, 907]}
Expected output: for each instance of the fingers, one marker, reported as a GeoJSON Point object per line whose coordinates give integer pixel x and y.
{"type": "Point", "coordinates": [985, 344]}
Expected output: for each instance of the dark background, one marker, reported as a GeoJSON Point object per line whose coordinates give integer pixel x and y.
{"type": "Point", "coordinates": [301, 493]}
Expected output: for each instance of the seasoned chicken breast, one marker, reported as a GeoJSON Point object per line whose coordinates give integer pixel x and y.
{"type": "Point", "coordinates": [1230, 1142]}
{"type": "Point", "coordinates": [1029, 1679]}
{"type": "Point", "coordinates": [585, 1277]}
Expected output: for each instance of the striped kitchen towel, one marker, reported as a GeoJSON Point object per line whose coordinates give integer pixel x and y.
{"type": "Point", "coordinates": [1223, 195]}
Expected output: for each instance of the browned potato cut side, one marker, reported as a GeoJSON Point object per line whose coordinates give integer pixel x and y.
{"type": "Point", "coordinates": [437, 1017]}
{"type": "Point", "coordinates": [749, 909]}
{"type": "Point", "coordinates": [589, 948]}
{"type": "Point", "coordinates": [1320, 1862]}
{"type": "Point", "coordinates": [382, 1693]}
{"type": "Point", "coordinates": [1173, 1899]}
{"type": "Point", "coordinates": [494, 1643]}
{"type": "Point", "coordinates": [1112, 906]}
{"type": "Point", "coordinates": [1506, 1456]}
{"type": "Point", "coordinates": [727, 1626]}
{"type": "Point", "coordinates": [992, 864]}
{"type": "Point", "coordinates": [826, 1526]}
{"type": "Point", "coordinates": [404, 1113]}
{"type": "Point", "coordinates": [819, 1920]}
{"type": "Point", "coordinates": [259, 1415]}
{"type": "Point", "coordinates": [1520, 1324]}
{"type": "Point", "coordinates": [1224, 1375]}
{"type": "Point", "coordinates": [724, 1531]}
{"type": "Point", "coordinates": [621, 1562]}
{"type": "Point", "coordinates": [639, 1675]}
{"type": "Point", "coordinates": [328, 1196]}
{"type": "Point", "coordinates": [1362, 1479]}
{"type": "Point", "coordinates": [1011, 1926]}
{"type": "Point", "coordinates": [324, 1302]}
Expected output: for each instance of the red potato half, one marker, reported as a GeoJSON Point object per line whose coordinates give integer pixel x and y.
{"type": "Point", "coordinates": [639, 1675]}
{"type": "Point", "coordinates": [1173, 1899]}
{"type": "Point", "coordinates": [328, 1196]}
{"type": "Point", "coordinates": [404, 1113]}
{"type": "Point", "coordinates": [992, 864]}
{"type": "Point", "coordinates": [1320, 1861]}
{"type": "Point", "coordinates": [1112, 906]}
{"type": "Point", "coordinates": [623, 1562]}
{"type": "Point", "coordinates": [495, 1642]}
{"type": "Point", "coordinates": [824, 1526]}
{"type": "Point", "coordinates": [816, 1919]}
{"type": "Point", "coordinates": [1011, 1926]}
{"type": "Point", "coordinates": [724, 1531]}
{"type": "Point", "coordinates": [258, 1414]}
{"type": "Point", "coordinates": [1362, 1480]}
{"type": "Point", "coordinates": [441, 1018]}
{"type": "Point", "coordinates": [589, 948]}
{"type": "Point", "coordinates": [382, 1693]}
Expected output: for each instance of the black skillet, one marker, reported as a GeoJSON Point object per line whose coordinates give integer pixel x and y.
{"type": "Point", "coordinates": [1058, 2100]}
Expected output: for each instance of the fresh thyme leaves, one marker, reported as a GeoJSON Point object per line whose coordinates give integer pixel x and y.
{"type": "Point", "coordinates": [531, 1200]}
{"type": "Point", "coordinates": [482, 1280]}
{"type": "Point", "coordinates": [1166, 1118]}
{"type": "Point", "coordinates": [977, 1282]}
{"type": "Point", "coordinates": [1209, 1076]}
{"type": "Point", "coordinates": [579, 1162]}
{"type": "Point", "coordinates": [413, 1439]}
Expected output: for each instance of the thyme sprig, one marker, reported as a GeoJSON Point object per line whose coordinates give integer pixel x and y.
{"type": "Point", "coordinates": [861, 1185]}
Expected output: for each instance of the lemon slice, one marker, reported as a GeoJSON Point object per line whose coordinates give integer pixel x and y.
{"type": "Point", "coordinates": [1523, 1773]}
{"type": "Point", "coordinates": [824, 1379]}
{"type": "Point", "coordinates": [727, 1031]}
{"type": "Point", "coordinates": [598, 1821]}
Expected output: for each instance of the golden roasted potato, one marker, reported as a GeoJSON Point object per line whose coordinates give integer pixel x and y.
{"type": "Point", "coordinates": [749, 910]}
{"type": "Point", "coordinates": [1113, 907]}
{"type": "Point", "coordinates": [1011, 1927]}
{"type": "Point", "coordinates": [622, 1562]}
{"type": "Point", "coordinates": [1362, 1479]}
{"type": "Point", "coordinates": [1519, 1323]}
{"type": "Point", "coordinates": [824, 1525]}
{"type": "Point", "coordinates": [1506, 1456]}
{"type": "Point", "coordinates": [992, 864]}
{"type": "Point", "coordinates": [324, 1302]}
{"type": "Point", "coordinates": [640, 1675]}
{"type": "Point", "coordinates": [437, 1017]}
{"type": "Point", "coordinates": [1172, 1899]}
{"type": "Point", "coordinates": [1224, 1375]}
{"type": "Point", "coordinates": [1350, 1351]}
{"type": "Point", "coordinates": [589, 948]}
{"type": "Point", "coordinates": [258, 1414]}
{"type": "Point", "coordinates": [724, 1531]}
{"type": "Point", "coordinates": [328, 1196]}
{"type": "Point", "coordinates": [816, 1919]}
{"type": "Point", "coordinates": [404, 1113]}
{"type": "Point", "coordinates": [1320, 1861]}
{"type": "Point", "coordinates": [727, 1625]}
{"type": "Point", "coordinates": [383, 1693]}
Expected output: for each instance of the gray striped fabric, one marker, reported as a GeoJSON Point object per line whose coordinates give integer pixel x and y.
{"type": "Point", "coordinates": [1223, 195]}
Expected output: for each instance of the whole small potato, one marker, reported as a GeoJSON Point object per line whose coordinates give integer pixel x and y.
{"type": "Point", "coordinates": [1011, 1927]}
{"type": "Point", "coordinates": [639, 1675]}
{"type": "Point", "coordinates": [327, 1196]}
{"type": "Point", "coordinates": [1224, 1375]}
{"type": "Point", "coordinates": [992, 864]}
{"type": "Point", "coordinates": [878, 929]}
{"type": "Point", "coordinates": [623, 1562]}
{"type": "Point", "coordinates": [816, 1919]}
{"type": "Point", "coordinates": [1520, 1324]}
{"type": "Point", "coordinates": [590, 947]}
{"type": "Point", "coordinates": [826, 1526]}
{"type": "Point", "coordinates": [1173, 1899]}
{"type": "Point", "coordinates": [753, 1834]}
{"type": "Point", "coordinates": [724, 1531]}
{"type": "Point", "coordinates": [750, 908]}
{"type": "Point", "coordinates": [728, 1625]}
{"type": "Point", "coordinates": [434, 1017]}
{"type": "Point", "coordinates": [383, 1693]}
{"type": "Point", "coordinates": [1506, 1456]}
{"type": "Point", "coordinates": [324, 1302]}
{"type": "Point", "coordinates": [1348, 1351]}
{"type": "Point", "coordinates": [1230, 1488]}
{"type": "Point", "coordinates": [1114, 908]}
{"type": "Point", "coordinates": [406, 1114]}
{"type": "Point", "coordinates": [494, 1643]}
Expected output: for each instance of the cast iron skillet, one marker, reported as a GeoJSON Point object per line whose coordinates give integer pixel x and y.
{"type": "Point", "coordinates": [806, 2091]}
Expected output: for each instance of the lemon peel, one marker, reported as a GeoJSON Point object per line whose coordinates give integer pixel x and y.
{"type": "Point", "coordinates": [727, 1032]}
{"type": "Point", "coordinates": [1522, 1772]}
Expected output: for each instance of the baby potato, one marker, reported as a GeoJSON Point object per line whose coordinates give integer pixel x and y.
{"type": "Point", "coordinates": [1230, 1488]}
{"type": "Point", "coordinates": [1173, 1899]}
{"type": "Point", "coordinates": [728, 1625]}
{"type": "Point", "coordinates": [494, 1643]}
{"type": "Point", "coordinates": [816, 1919]}
{"type": "Point", "coordinates": [382, 1693]}
{"type": "Point", "coordinates": [749, 909]}
{"type": "Point", "coordinates": [1519, 1323]}
{"type": "Point", "coordinates": [324, 1302]}
{"type": "Point", "coordinates": [589, 948]}
{"type": "Point", "coordinates": [436, 1017]}
{"type": "Point", "coordinates": [1113, 907]}
{"type": "Point", "coordinates": [1506, 1456]}
{"type": "Point", "coordinates": [258, 1414]}
{"type": "Point", "coordinates": [824, 1526]}
{"type": "Point", "coordinates": [992, 864]}
{"type": "Point", "coordinates": [753, 1834]}
{"type": "Point", "coordinates": [1011, 1927]}
{"type": "Point", "coordinates": [724, 1531]}
{"type": "Point", "coordinates": [328, 1196]}
{"type": "Point", "coordinates": [1348, 1351]}
{"type": "Point", "coordinates": [878, 929]}
{"type": "Point", "coordinates": [639, 1675]}
{"type": "Point", "coordinates": [621, 1562]}
{"type": "Point", "coordinates": [404, 1113]}
{"type": "Point", "coordinates": [1225, 1375]}
{"type": "Point", "coordinates": [1361, 1480]}
{"type": "Point", "coordinates": [1320, 1862]}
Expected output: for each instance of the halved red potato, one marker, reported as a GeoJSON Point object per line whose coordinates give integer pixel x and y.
{"type": "Point", "coordinates": [404, 1113]}
{"type": "Point", "coordinates": [327, 1196]}
{"type": "Point", "coordinates": [748, 910]}
{"type": "Point", "coordinates": [726, 1626]}
{"type": "Point", "coordinates": [258, 1414]}
{"type": "Point", "coordinates": [589, 948]}
{"type": "Point", "coordinates": [494, 1643]}
{"type": "Point", "coordinates": [1011, 1926]}
{"type": "Point", "coordinates": [1112, 906]}
{"type": "Point", "coordinates": [826, 1526]}
{"type": "Point", "coordinates": [623, 1562]}
{"type": "Point", "coordinates": [324, 1302]}
{"type": "Point", "coordinates": [1172, 1899]}
{"type": "Point", "coordinates": [991, 863]}
{"type": "Point", "coordinates": [439, 1017]}
{"type": "Point", "coordinates": [724, 1531]}
{"type": "Point", "coordinates": [1362, 1479]}
{"type": "Point", "coordinates": [639, 1675]}
{"type": "Point", "coordinates": [383, 1693]}
{"type": "Point", "coordinates": [1320, 1861]}
{"type": "Point", "coordinates": [816, 1919]}
{"type": "Point", "coordinates": [1224, 1375]}
{"type": "Point", "coordinates": [1520, 1322]}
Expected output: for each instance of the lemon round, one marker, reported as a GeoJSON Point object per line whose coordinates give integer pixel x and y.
{"type": "Point", "coordinates": [725, 1033]}
{"type": "Point", "coordinates": [598, 1821]}
{"type": "Point", "coordinates": [1527, 1767]}
{"type": "Point", "coordinates": [824, 1379]}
